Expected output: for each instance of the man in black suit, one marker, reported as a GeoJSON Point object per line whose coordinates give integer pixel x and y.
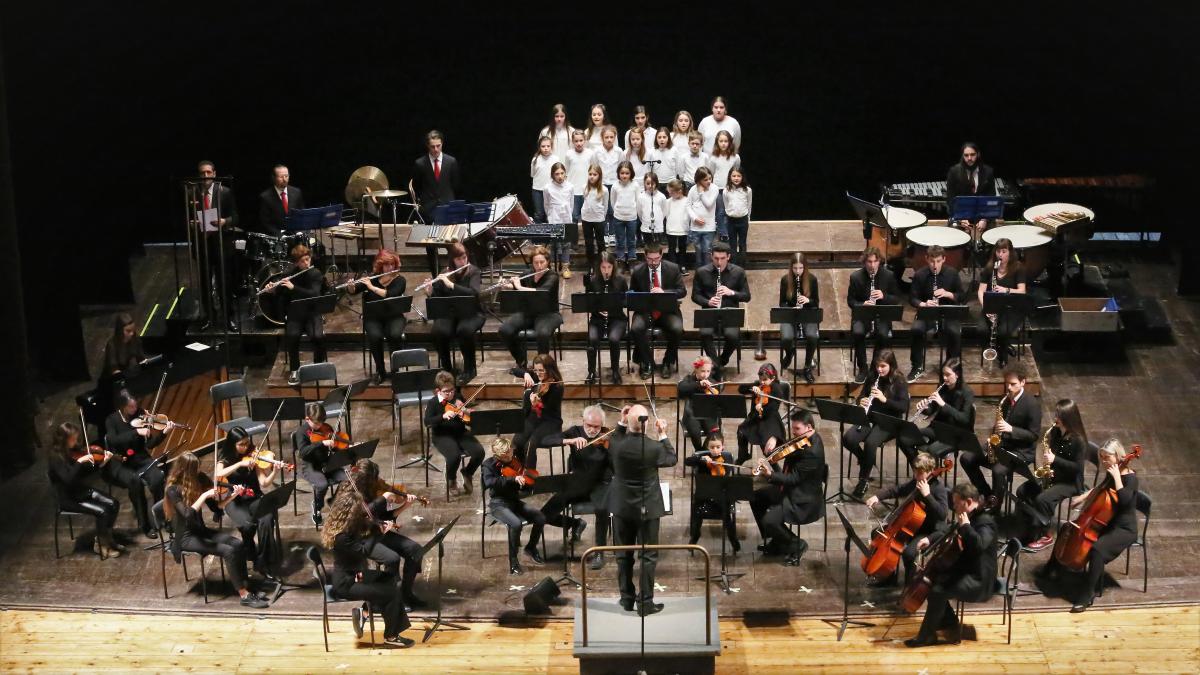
{"type": "Point", "coordinates": [1018, 426]}
{"type": "Point", "coordinates": [635, 500]}
{"type": "Point", "coordinates": [966, 178]}
{"type": "Point", "coordinates": [591, 468]}
{"type": "Point", "coordinates": [720, 284]}
{"type": "Point", "coordinates": [435, 180]}
{"type": "Point", "coordinates": [937, 285]}
{"type": "Point", "coordinates": [874, 284]}
{"type": "Point", "coordinates": [211, 194]}
{"type": "Point", "coordinates": [657, 276]}
{"type": "Point", "coordinates": [973, 573]}
{"type": "Point", "coordinates": [277, 201]}
{"type": "Point", "coordinates": [794, 494]}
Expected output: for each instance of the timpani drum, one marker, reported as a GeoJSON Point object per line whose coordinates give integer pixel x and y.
{"type": "Point", "coordinates": [892, 240]}
{"type": "Point", "coordinates": [952, 239]}
{"type": "Point", "coordinates": [1031, 243]}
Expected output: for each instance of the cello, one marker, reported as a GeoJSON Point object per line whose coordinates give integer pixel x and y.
{"type": "Point", "coordinates": [938, 560]}
{"type": "Point", "coordinates": [889, 540]}
{"type": "Point", "coordinates": [1075, 538]}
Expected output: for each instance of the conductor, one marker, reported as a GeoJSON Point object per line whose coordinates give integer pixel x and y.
{"type": "Point", "coordinates": [636, 502]}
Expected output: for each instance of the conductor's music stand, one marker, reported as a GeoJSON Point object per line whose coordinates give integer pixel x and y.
{"type": "Point", "coordinates": [726, 490]}
{"type": "Point", "coordinates": [593, 303]}
{"type": "Point", "coordinates": [843, 414]}
{"type": "Point", "coordinates": [718, 319]}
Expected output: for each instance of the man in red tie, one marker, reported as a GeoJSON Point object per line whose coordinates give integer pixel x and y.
{"type": "Point", "coordinates": [435, 180]}
{"type": "Point", "coordinates": [213, 194]}
{"type": "Point", "coordinates": [277, 201]}
{"type": "Point", "coordinates": [656, 275]}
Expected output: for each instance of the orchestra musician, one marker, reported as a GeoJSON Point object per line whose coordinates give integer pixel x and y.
{"type": "Point", "coordinates": [969, 176]}
{"type": "Point", "coordinates": [799, 288]}
{"type": "Point", "coordinates": [449, 433]}
{"type": "Point", "coordinates": [314, 456]}
{"type": "Point", "coordinates": [885, 392]}
{"type": "Point", "coordinates": [697, 383]}
{"type": "Point", "coordinates": [132, 440]}
{"type": "Point", "coordinates": [71, 467]}
{"type": "Point", "coordinates": [506, 503]}
{"type": "Point", "coordinates": [543, 325]}
{"type": "Point", "coordinates": [763, 425]}
{"type": "Point", "coordinates": [237, 466]}
{"type": "Point", "coordinates": [933, 496]}
{"type": "Point", "coordinates": [720, 284]}
{"type": "Point", "coordinates": [591, 468]}
{"type": "Point", "coordinates": [543, 409]}
{"type": "Point", "coordinates": [656, 275]}
{"type": "Point", "coordinates": [1063, 450]}
{"type": "Point", "coordinates": [937, 285]}
{"type": "Point", "coordinates": [605, 326]}
{"type": "Point", "coordinates": [350, 535]}
{"type": "Point", "coordinates": [277, 202]}
{"type": "Point", "coordinates": [951, 403]}
{"type": "Point", "coordinates": [378, 329]}
{"type": "Point", "coordinates": [310, 284]}
{"type": "Point", "coordinates": [1018, 425]}
{"type": "Point", "coordinates": [123, 359]}
{"type": "Point", "coordinates": [458, 282]}
{"type": "Point", "coordinates": [710, 462]}
{"type": "Point", "coordinates": [974, 572]}
{"type": "Point", "coordinates": [1006, 276]}
{"type": "Point", "coordinates": [388, 547]}
{"type": "Point", "coordinates": [794, 494]}
{"type": "Point", "coordinates": [210, 195]}
{"type": "Point", "coordinates": [874, 284]}
{"type": "Point", "coordinates": [188, 492]}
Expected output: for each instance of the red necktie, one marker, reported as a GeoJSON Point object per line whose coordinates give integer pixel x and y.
{"type": "Point", "coordinates": [437, 168]}
{"type": "Point", "coordinates": [654, 282]}
{"type": "Point", "coordinates": [283, 196]}
{"type": "Point", "coordinates": [207, 201]}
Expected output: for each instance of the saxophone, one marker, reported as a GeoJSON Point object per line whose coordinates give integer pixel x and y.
{"type": "Point", "coordinates": [993, 443]}
{"type": "Point", "coordinates": [1044, 472]}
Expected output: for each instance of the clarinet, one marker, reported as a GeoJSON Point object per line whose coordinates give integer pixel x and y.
{"type": "Point", "coordinates": [604, 289]}
{"type": "Point", "coordinates": [719, 285]}
{"type": "Point", "coordinates": [799, 305]}
{"type": "Point", "coordinates": [870, 292]}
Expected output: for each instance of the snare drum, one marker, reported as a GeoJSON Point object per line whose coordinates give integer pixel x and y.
{"type": "Point", "coordinates": [952, 239]}
{"type": "Point", "coordinates": [893, 240]}
{"type": "Point", "coordinates": [1029, 241]}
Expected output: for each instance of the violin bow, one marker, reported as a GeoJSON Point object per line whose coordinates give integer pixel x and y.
{"type": "Point", "coordinates": [597, 439]}
{"type": "Point", "coordinates": [161, 383]}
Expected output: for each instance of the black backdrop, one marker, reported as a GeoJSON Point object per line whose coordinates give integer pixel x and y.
{"type": "Point", "coordinates": [108, 105]}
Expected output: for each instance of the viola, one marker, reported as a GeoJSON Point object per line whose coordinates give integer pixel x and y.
{"type": "Point", "coordinates": [888, 542]}
{"type": "Point", "coordinates": [514, 468]}
{"type": "Point", "coordinates": [1076, 538]}
{"type": "Point", "coordinates": [324, 432]}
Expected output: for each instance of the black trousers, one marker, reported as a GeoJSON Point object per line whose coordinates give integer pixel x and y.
{"type": "Point", "coordinates": [1038, 505]}
{"type": "Point", "coordinates": [626, 532]}
{"type": "Point", "coordinates": [380, 589]}
{"type": "Point", "coordinates": [951, 336]}
{"type": "Point", "coordinates": [225, 545]}
{"type": "Point", "coordinates": [593, 241]}
{"type": "Point", "coordinates": [543, 327]}
{"type": "Point", "coordinates": [314, 326]}
{"type": "Point", "coordinates": [883, 339]}
{"type": "Point", "coordinates": [769, 514]}
{"type": "Point", "coordinates": [211, 283]}
{"type": "Point", "coordinates": [677, 250]}
{"type": "Point", "coordinates": [125, 474]}
{"type": "Point", "coordinates": [101, 506]}
{"type": "Point", "coordinates": [938, 612]}
{"type": "Point", "coordinates": [596, 335]}
{"type": "Point", "coordinates": [453, 449]}
{"type": "Point", "coordinates": [554, 507]}
{"type": "Point", "coordinates": [392, 548]}
{"type": "Point", "coordinates": [1005, 332]}
{"type": "Point", "coordinates": [708, 343]}
{"type": "Point", "coordinates": [534, 436]}
{"type": "Point", "coordinates": [377, 331]}
{"type": "Point", "coordinates": [263, 554]}
{"type": "Point", "coordinates": [707, 509]}
{"type": "Point", "coordinates": [787, 338]}
{"type": "Point", "coordinates": [696, 428]}
{"type": "Point", "coordinates": [446, 330]}
{"type": "Point", "coordinates": [512, 514]}
{"type": "Point", "coordinates": [973, 464]}
{"type": "Point", "coordinates": [863, 443]}
{"type": "Point", "coordinates": [320, 482]}
{"type": "Point", "coordinates": [672, 330]}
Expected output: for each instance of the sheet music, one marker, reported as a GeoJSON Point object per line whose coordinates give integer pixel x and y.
{"type": "Point", "coordinates": [208, 219]}
{"type": "Point", "coordinates": [665, 487]}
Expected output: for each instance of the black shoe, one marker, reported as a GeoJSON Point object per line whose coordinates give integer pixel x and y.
{"type": "Point", "coordinates": [860, 376]}
{"type": "Point", "coordinates": [413, 602]}
{"type": "Point", "coordinates": [860, 490]}
{"type": "Point", "coordinates": [735, 546]}
{"type": "Point", "coordinates": [468, 485]}
{"type": "Point", "coordinates": [233, 326]}
{"type": "Point", "coordinates": [920, 641]}
{"type": "Point", "coordinates": [991, 503]}
{"type": "Point", "coordinates": [889, 581]}
{"type": "Point", "coordinates": [648, 608]}
{"type": "Point", "coordinates": [317, 519]}
{"type": "Point", "coordinates": [1082, 606]}
{"type": "Point", "coordinates": [400, 641]}
{"type": "Point", "coordinates": [466, 376]}
{"type": "Point", "coordinates": [514, 569]}
{"type": "Point", "coordinates": [359, 617]}
{"type": "Point", "coordinates": [591, 377]}
{"type": "Point", "coordinates": [644, 371]}
{"type": "Point", "coordinates": [666, 370]}
{"type": "Point", "coordinates": [517, 372]}
{"type": "Point", "coordinates": [150, 533]}
{"type": "Point", "coordinates": [627, 605]}
{"type": "Point", "coordinates": [534, 555]}
{"type": "Point", "coordinates": [377, 379]}
{"type": "Point", "coordinates": [577, 530]}
{"type": "Point", "coordinates": [616, 376]}
{"type": "Point", "coordinates": [915, 374]}
{"type": "Point", "coordinates": [255, 601]}
{"type": "Point", "coordinates": [597, 561]}
{"type": "Point", "coordinates": [809, 377]}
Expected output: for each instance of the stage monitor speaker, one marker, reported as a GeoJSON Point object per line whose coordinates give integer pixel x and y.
{"type": "Point", "coordinates": [541, 596]}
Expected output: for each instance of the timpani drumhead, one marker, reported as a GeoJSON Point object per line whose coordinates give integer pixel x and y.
{"type": "Point", "coordinates": [903, 219]}
{"type": "Point", "coordinates": [1034, 213]}
{"type": "Point", "coordinates": [1022, 236]}
{"type": "Point", "coordinates": [941, 235]}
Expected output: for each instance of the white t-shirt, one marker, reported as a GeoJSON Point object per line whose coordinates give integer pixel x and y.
{"type": "Point", "coordinates": [559, 201]}
{"type": "Point", "coordinates": [676, 216]}
{"type": "Point", "coordinates": [595, 206]}
{"type": "Point", "coordinates": [639, 165]}
{"type": "Point", "coordinates": [689, 164]}
{"type": "Point", "coordinates": [595, 141]}
{"type": "Point", "coordinates": [562, 140]}
{"type": "Point", "coordinates": [710, 126]}
{"type": "Point", "coordinates": [720, 166]}
{"type": "Point", "coordinates": [655, 224]}
{"type": "Point", "coordinates": [577, 164]}
{"type": "Point", "coordinates": [739, 203]}
{"type": "Point", "coordinates": [647, 137]}
{"type": "Point", "coordinates": [608, 160]}
{"type": "Point", "coordinates": [667, 169]}
{"type": "Point", "coordinates": [624, 200]}
{"type": "Point", "coordinates": [679, 142]}
{"type": "Point", "coordinates": [702, 204]}
{"type": "Point", "coordinates": [539, 170]}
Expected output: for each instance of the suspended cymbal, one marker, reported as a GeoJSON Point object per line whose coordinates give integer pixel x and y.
{"type": "Point", "coordinates": [364, 179]}
{"type": "Point", "coordinates": [388, 193]}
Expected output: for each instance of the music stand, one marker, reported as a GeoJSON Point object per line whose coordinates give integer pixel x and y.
{"type": "Point", "coordinates": [727, 490]}
{"type": "Point", "coordinates": [843, 414]}
{"type": "Point", "coordinates": [530, 303]}
{"type": "Point", "coordinates": [344, 458]}
{"type": "Point", "coordinates": [270, 503]}
{"type": "Point", "coordinates": [316, 218]}
{"type": "Point", "coordinates": [418, 381]}
{"type": "Point", "coordinates": [387, 308]}
{"type": "Point", "coordinates": [592, 303]}
{"type": "Point", "coordinates": [902, 429]}
{"type": "Point", "coordinates": [439, 539]}
{"type": "Point", "coordinates": [1003, 305]}
{"type": "Point", "coordinates": [798, 316]}
{"type": "Point", "coordinates": [454, 308]}
{"type": "Point", "coordinates": [937, 316]}
{"type": "Point", "coordinates": [497, 422]}
{"type": "Point", "coordinates": [305, 308]}
{"type": "Point", "coordinates": [870, 314]}
{"type": "Point", "coordinates": [870, 213]}
{"type": "Point", "coordinates": [558, 484]}
{"type": "Point", "coordinates": [718, 318]}
{"type": "Point", "coordinates": [851, 537]}
{"type": "Point", "coordinates": [973, 208]}
{"type": "Point", "coordinates": [290, 409]}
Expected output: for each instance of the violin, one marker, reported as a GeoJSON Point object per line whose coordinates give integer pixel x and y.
{"type": "Point", "coordinates": [514, 468]}
{"type": "Point", "coordinates": [223, 487]}
{"type": "Point", "coordinates": [265, 459]}
{"type": "Point", "coordinates": [763, 398]}
{"type": "Point", "coordinates": [888, 542]}
{"type": "Point", "coordinates": [96, 452]}
{"type": "Point", "coordinates": [398, 489]}
{"type": "Point", "coordinates": [459, 410]}
{"type": "Point", "coordinates": [782, 451]}
{"type": "Point", "coordinates": [156, 422]}
{"type": "Point", "coordinates": [1076, 538]}
{"type": "Point", "coordinates": [324, 432]}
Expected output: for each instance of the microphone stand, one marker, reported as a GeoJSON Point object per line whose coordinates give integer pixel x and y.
{"type": "Point", "coordinates": [650, 163]}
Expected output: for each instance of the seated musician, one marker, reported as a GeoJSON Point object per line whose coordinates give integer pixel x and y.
{"type": "Point", "coordinates": [310, 284]}
{"type": "Point", "coordinates": [656, 275]}
{"type": "Point", "coordinates": [350, 535]}
{"type": "Point", "coordinates": [886, 392]}
{"type": "Point", "coordinates": [315, 454]}
{"type": "Point", "coordinates": [543, 409]}
{"type": "Point", "coordinates": [1063, 452]}
{"type": "Point", "coordinates": [543, 325]}
{"type": "Point", "coordinates": [933, 495]}
{"type": "Point", "coordinates": [506, 506]}
{"type": "Point", "coordinates": [238, 466]}
{"type": "Point", "coordinates": [794, 493]}
{"type": "Point", "coordinates": [1018, 423]}
{"type": "Point", "coordinates": [378, 329]}
{"type": "Point", "coordinates": [188, 492]}
{"type": "Point", "coordinates": [450, 435]}
{"type": "Point", "coordinates": [132, 440]}
{"type": "Point", "coordinates": [799, 288]}
{"type": "Point", "coordinates": [951, 403]}
{"type": "Point", "coordinates": [1121, 530]}
{"type": "Point", "coordinates": [874, 284]}
{"type": "Point", "coordinates": [763, 425]}
{"type": "Point", "coordinates": [72, 467]}
{"type": "Point", "coordinates": [1005, 276]}
{"type": "Point", "coordinates": [389, 548]}
{"type": "Point", "coordinates": [710, 462]}
{"type": "Point", "coordinates": [591, 467]}
{"type": "Point", "coordinates": [720, 284]}
{"type": "Point", "coordinates": [605, 327]}
{"type": "Point", "coordinates": [972, 575]}
{"type": "Point", "coordinates": [966, 178]}
{"type": "Point", "coordinates": [460, 279]}
{"type": "Point", "coordinates": [699, 382]}
{"type": "Point", "coordinates": [937, 285]}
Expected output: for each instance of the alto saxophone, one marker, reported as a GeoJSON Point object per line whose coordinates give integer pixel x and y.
{"type": "Point", "coordinates": [993, 443]}
{"type": "Point", "coordinates": [1044, 472]}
